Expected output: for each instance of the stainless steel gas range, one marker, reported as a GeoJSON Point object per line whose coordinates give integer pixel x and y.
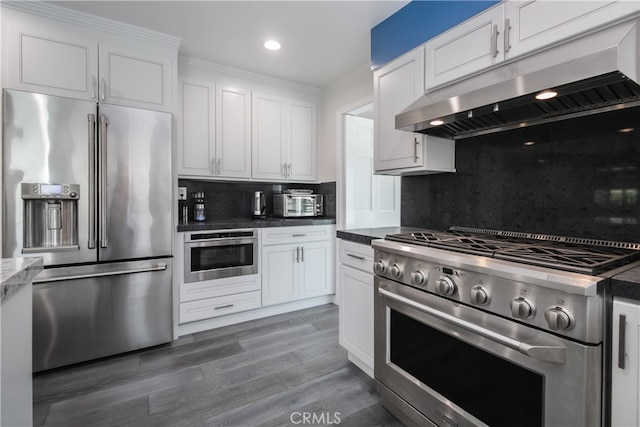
{"type": "Point", "coordinates": [483, 327]}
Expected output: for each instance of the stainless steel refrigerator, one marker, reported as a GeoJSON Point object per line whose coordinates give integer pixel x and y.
{"type": "Point", "coordinates": [88, 187]}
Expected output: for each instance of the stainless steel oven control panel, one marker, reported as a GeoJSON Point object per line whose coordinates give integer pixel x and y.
{"type": "Point", "coordinates": [525, 295]}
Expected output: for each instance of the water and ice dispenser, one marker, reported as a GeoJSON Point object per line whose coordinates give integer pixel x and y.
{"type": "Point", "coordinates": [50, 216]}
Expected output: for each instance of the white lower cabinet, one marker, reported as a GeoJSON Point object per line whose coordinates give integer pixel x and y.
{"type": "Point", "coordinates": [625, 372]}
{"type": "Point", "coordinates": [355, 284]}
{"type": "Point", "coordinates": [213, 298]}
{"type": "Point", "coordinates": [297, 263]}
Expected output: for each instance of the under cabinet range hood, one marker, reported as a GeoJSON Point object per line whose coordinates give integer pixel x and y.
{"type": "Point", "coordinates": [595, 73]}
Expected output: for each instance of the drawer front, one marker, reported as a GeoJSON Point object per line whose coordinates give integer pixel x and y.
{"type": "Point", "coordinates": [219, 287]}
{"type": "Point", "coordinates": [285, 235]}
{"type": "Point", "coordinates": [214, 307]}
{"type": "Point", "coordinates": [356, 255]}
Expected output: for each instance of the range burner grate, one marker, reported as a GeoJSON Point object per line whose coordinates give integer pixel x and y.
{"type": "Point", "coordinates": [587, 256]}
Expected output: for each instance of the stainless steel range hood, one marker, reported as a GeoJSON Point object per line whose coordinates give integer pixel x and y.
{"type": "Point", "coordinates": [594, 73]}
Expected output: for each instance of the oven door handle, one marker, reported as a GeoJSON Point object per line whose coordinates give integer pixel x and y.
{"type": "Point", "coordinates": [550, 353]}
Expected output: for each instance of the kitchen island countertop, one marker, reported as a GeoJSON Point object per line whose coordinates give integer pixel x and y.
{"type": "Point", "coordinates": [229, 223]}
{"type": "Point", "coordinates": [16, 273]}
{"type": "Point", "coordinates": [366, 235]}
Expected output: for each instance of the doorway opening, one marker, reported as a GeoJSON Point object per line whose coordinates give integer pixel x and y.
{"type": "Point", "coordinates": [369, 200]}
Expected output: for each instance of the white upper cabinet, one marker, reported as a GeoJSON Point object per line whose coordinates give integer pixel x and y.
{"type": "Point", "coordinates": [471, 46]}
{"type": "Point", "coordinates": [511, 29]}
{"type": "Point", "coordinates": [233, 132]}
{"type": "Point", "coordinates": [539, 23]}
{"type": "Point", "coordinates": [216, 131]}
{"type": "Point", "coordinates": [73, 60]}
{"type": "Point", "coordinates": [196, 151]}
{"type": "Point", "coordinates": [284, 139]}
{"type": "Point", "coordinates": [134, 78]}
{"type": "Point", "coordinates": [396, 152]}
{"type": "Point", "coordinates": [48, 58]}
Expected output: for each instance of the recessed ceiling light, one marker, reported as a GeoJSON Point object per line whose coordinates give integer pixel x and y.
{"type": "Point", "coordinates": [626, 130]}
{"type": "Point", "coordinates": [529, 143]}
{"type": "Point", "coordinates": [436, 122]}
{"type": "Point", "coordinates": [546, 94]}
{"type": "Point", "coordinates": [272, 45]}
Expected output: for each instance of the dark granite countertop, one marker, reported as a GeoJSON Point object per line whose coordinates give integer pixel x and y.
{"type": "Point", "coordinates": [228, 223]}
{"type": "Point", "coordinates": [366, 235]}
{"type": "Point", "coordinates": [16, 273]}
{"type": "Point", "coordinates": [627, 284]}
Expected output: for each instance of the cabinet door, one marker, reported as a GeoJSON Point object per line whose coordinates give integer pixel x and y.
{"type": "Point", "coordinates": [625, 378]}
{"type": "Point", "coordinates": [268, 137]}
{"type": "Point", "coordinates": [470, 47]}
{"type": "Point", "coordinates": [279, 274]}
{"type": "Point", "coordinates": [535, 24]}
{"type": "Point", "coordinates": [302, 141]}
{"type": "Point", "coordinates": [233, 132]}
{"type": "Point", "coordinates": [134, 79]}
{"type": "Point", "coordinates": [47, 60]}
{"type": "Point", "coordinates": [356, 313]}
{"type": "Point", "coordinates": [315, 269]}
{"type": "Point", "coordinates": [197, 149]}
{"type": "Point", "coordinates": [397, 85]}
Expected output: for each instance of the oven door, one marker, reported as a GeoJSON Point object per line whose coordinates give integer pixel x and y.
{"type": "Point", "coordinates": [444, 363]}
{"type": "Point", "coordinates": [216, 255]}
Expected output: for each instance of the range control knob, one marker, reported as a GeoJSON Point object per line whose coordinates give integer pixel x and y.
{"type": "Point", "coordinates": [445, 286]}
{"type": "Point", "coordinates": [479, 295]}
{"type": "Point", "coordinates": [379, 267]}
{"type": "Point", "coordinates": [559, 318]}
{"type": "Point", "coordinates": [395, 271]}
{"type": "Point", "coordinates": [418, 278]}
{"type": "Point", "coordinates": [522, 308]}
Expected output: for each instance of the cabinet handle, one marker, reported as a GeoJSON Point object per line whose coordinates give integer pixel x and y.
{"type": "Point", "coordinates": [415, 150]}
{"type": "Point", "coordinates": [621, 341]}
{"type": "Point", "coordinates": [298, 235]}
{"type": "Point", "coordinates": [212, 166]}
{"type": "Point", "coordinates": [297, 253]}
{"type": "Point", "coordinates": [301, 253]}
{"type": "Point", "coordinates": [104, 89]}
{"type": "Point", "coordinates": [507, 30]}
{"type": "Point", "coordinates": [284, 170]}
{"type": "Point", "coordinates": [94, 83]}
{"type": "Point", "coordinates": [361, 258]}
{"type": "Point", "coordinates": [218, 166]}
{"type": "Point", "coordinates": [288, 170]}
{"type": "Point", "coordinates": [494, 41]}
{"type": "Point", "coordinates": [222, 306]}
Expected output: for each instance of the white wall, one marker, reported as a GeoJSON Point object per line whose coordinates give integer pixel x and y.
{"type": "Point", "coordinates": [351, 88]}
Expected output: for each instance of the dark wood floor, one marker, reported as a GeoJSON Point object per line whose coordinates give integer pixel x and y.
{"type": "Point", "coordinates": [268, 372]}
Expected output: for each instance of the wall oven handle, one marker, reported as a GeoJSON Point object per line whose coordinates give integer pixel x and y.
{"type": "Point", "coordinates": [550, 353]}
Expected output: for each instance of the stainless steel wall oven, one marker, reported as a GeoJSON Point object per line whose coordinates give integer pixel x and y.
{"type": "Point", "coordinates": [464, 339]}
{"type": "Point", "coordinates": [220, 253]}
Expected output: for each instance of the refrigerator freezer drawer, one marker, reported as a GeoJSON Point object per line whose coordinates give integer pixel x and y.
{"type": "Point", "coordinates": [88, 312]}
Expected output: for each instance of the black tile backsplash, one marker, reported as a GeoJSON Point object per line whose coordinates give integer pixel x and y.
{"type": "Point", "coordinates": [578, 177]}
{"type": "Point", "coordinates": [227, 200]}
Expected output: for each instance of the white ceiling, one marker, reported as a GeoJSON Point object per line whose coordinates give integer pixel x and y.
{"type": "Point", "coordinates": [321, 40]}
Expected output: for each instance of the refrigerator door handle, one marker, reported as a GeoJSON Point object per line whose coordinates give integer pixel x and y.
{"type": "Point", "coordinates": [103, 180]}
{"type": "Point", "coordinates": [91, 118]}
{"type": "Point", "coordinates": [161, 266]}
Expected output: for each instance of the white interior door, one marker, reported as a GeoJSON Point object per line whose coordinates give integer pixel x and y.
{"type": "Point", "coordinates": [371, 200]}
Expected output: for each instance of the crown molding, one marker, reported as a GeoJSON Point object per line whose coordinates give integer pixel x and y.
{"type": "Point", "coordinates": [210, 67]}
{"type": "Point", "coordinates": [92, 22]}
